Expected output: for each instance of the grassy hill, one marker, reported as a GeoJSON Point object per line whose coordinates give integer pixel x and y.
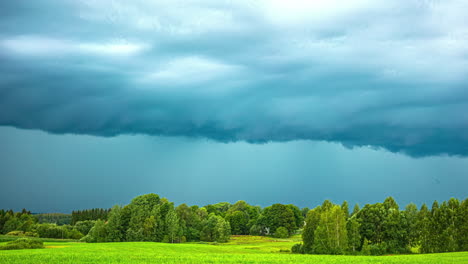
{"type": "Point", "coordinates": [241, 249]}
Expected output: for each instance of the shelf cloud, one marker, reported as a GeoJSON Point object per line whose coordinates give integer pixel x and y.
{"type": "Point", "coordinates": [390, 75]}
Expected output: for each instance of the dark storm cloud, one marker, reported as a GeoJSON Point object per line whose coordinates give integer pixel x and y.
{"type": "Point", "coordinates": [387, 74]}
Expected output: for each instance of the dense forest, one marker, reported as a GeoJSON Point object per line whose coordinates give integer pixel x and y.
{"type": "Point", "coordinates": [375, 229]}
{"type": "Point", "coordinates": [54, 218]}
{"type": "Point", "coordinates": [89, 214]}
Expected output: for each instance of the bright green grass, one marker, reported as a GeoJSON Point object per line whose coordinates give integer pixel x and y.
{"type": "Point", "coordinates": [241, 249]}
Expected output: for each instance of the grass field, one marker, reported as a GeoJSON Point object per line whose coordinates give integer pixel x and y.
{"type": "Point", "coordinates": [241, 249]}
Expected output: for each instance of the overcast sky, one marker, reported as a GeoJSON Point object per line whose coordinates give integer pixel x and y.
{"type": "Point", "coordinates": [207, 101]}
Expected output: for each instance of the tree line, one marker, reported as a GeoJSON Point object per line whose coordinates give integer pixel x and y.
{"type": "Point", "coordinates": [151, 218]}
{"type": "Point", "coordinates": [56, 218]}
{"type": "Point", "coordinates": [380, 228]}
{"type": "Point", "coordinates": [89, 214]}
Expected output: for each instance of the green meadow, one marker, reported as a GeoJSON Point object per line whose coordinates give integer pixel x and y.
{"type": "Point", "coordinates": [240, 249]}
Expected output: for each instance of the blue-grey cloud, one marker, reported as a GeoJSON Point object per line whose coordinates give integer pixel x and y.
{"type": "Point", "coordinates": [40, 173]}
{"type": "Point", "coordinates": [387, 74]}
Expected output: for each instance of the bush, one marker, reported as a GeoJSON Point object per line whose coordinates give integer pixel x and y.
{"type": "Point", "coordinates": [51, 231]}
{"type": "Point", "coordinates": [23, 243]}
{"type": "Point", "coordinates": [97, 234]}
{"type": "Point", "coordinates": [281, 232]}
{"type": "Point", "coordinates": [297, 249]}
{"type": "Point", "coordinates": [365, 250]}
{"type": "Point", "coordinates": [75, 234]}
{"type": "Point", "coordinates": [378, 249]}
{"type": "Point", "coordinates": [86, 239]}
{"type": "Point", "coordinates": [255, 230]}
{"type": "Point", "coordinates": [15, 233]}
{"type": "Point", "coordinates": [22, 234]}
{"type": "Point", "coordinates": [31, 234]}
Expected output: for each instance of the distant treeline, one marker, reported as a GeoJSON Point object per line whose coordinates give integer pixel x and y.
{"type": "Point", "coordinates": [89, 214]}
{"type": "Point", "coordinates": [54, 218]}
{"type": "Point", "coordinates": [380, 228]}
{"type": "Point", "coordinates": [25, 224]}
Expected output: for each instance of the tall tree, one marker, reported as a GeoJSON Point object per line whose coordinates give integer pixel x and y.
{"type": "Point", "coordinates": [411, 215]}
{"type": "Point", "coordinates": [278, 215]}
{"type": "Point", "coordinates": [355, 209]}
{"type": "Point", "coordinates": [436, 228]}
{"type": "Point", "coordinates": [304, 212]}
{"type": "Point", "coordinates": [297, 215]}
{"type": "Point", "coordinates": [220, 208]}
{"type": "Point", "coordinates": [115, 232]}
{"type": "Point", "coordinates": [395, 232]}
{"type": "Point", "coordinates": [331, 235]}
{"type": "Point", "coordinates": [462, 226]}
{"type": "Point", "coordinates": [308, 234]}
{"type": "Point", "coordinates": [172, 224]}
{"type": "Point", "coordinates": [242, 223]}
{"type": "Point", "coordinates": [451, 209]}
{"type": "Point", "coordinates": [326, 205]}
{"type": "Point", "coordinates": [208, 232]}
{"type": "Point", "coordinates": [150, 228]}
{"type": "Point", "coordinates": [371, 217]}
{"type": "Point", "coordinates": [390, 203]}
{"type": "Point", "coordinates": [190, 222]}
{"type": "Point", "coordinates": [140, 209]}
{"type": "Point", "coordinates": [238, 221]}
{"type": "Point", "coordinates": [424, 229]}
{"type": "Point", "coordinates": [354, 237]}
{"type": "Point", "coordinates": [345, 208]}
{"type": "Point", "coordinates": [223, 230]}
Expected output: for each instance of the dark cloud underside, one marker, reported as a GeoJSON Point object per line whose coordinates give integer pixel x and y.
{"type": "Point", "coordinates": [390, 74]}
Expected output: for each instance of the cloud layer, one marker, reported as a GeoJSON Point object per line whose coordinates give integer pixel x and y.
{"type": "Point", "coordinates": [390, 74]}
